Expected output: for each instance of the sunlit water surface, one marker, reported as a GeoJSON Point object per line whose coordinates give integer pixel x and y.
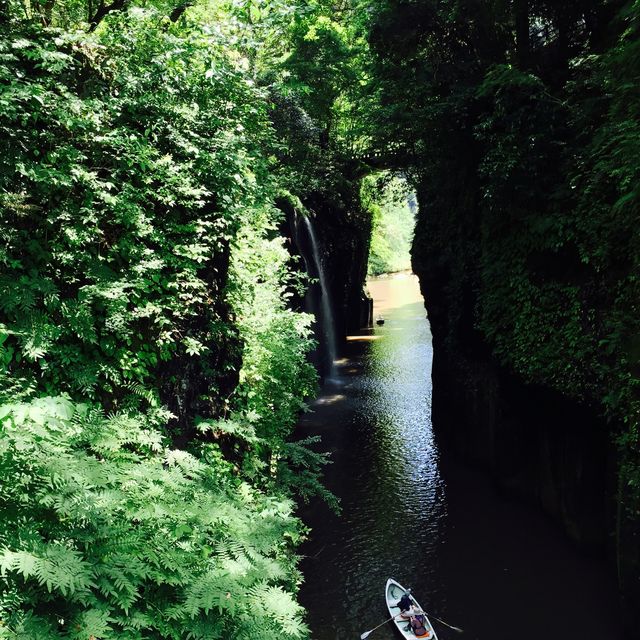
{"type": "Point", "coordinates": [496, 568]}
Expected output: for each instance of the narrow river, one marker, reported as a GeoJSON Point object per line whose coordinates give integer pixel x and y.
{"type": "Point", "coordinates": [498, 569]}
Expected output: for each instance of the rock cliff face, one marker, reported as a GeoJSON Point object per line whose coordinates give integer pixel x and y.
{"type": "Point", "coordinates": [343, 230]}
{"type": "Point", "coordinates": [538, 444]}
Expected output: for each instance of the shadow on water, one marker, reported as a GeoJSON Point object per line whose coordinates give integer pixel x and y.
{"type": "Point", "coordinates": [498, 569]}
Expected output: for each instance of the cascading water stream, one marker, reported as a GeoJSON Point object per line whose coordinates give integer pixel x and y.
{"type": "Point", "coordinates": [326, 320]}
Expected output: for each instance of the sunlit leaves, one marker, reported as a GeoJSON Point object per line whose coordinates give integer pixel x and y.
{"type": "Point", "coordinates": [136, 165]}
{"type": "Point", "coordinates": [107, 528]}
{"type": "Point", "coordinates": [123, 198]}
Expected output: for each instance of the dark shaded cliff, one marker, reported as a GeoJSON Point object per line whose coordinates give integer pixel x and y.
{"type": "Point", "coordinates": [544, 446]}
{"type": "Point", "coordinates": [342, 228]}
{"type": "Point", "coordinates": [537, 443]}
{"type": "Point", "coordinates": [520, 132]}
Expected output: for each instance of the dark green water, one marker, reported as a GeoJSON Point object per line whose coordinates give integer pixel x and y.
{"type": "Point", "coordinates": [494, 567]}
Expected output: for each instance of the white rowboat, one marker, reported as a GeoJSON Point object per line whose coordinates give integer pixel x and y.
{"type": "Point", "coordinates": [393, 591]}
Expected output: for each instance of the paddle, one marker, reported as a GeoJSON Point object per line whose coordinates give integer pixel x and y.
{"type": "Point", "coordinates": [366, 634]}
{"type": "Point", "coordinates": [446, 624]}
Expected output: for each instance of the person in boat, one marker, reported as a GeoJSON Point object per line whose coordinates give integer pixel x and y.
{"type": "Point", "coordinates": [418, 622]}
{"type": "Point", "coordinates": [405, 602]}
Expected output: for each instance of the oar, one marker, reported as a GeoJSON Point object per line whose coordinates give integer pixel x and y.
{"type": "Point", "coordinates": [366, 634]}
{"type": "Point", "coordinates": [446, 624]}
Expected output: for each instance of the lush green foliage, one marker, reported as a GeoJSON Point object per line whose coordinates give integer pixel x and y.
{"type": "Point", "coordinates": [387, 199]}
{"type": "Point", "coordinates": [122, 183]}
{"type": "Point", "coordinates": [143, 274]}
{"type": "Point", "coordinates": [276, 375]}
{"type": "Point", "coordinates": [142, 151]}
{"type": "Point", "coordinates": [107, 532]}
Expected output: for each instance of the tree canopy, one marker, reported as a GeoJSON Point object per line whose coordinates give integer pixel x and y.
{"type": "Point", "coordinates": [152, 356]}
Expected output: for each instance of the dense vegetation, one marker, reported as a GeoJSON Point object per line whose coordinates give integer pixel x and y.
{"type": "Point", "coordinates": [152, 365]}
{"type": "Point", "coordinates": [152, 357]}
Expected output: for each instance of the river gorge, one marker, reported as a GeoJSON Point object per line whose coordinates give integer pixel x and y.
{"type": "Point", "coordinates": [496, 567]}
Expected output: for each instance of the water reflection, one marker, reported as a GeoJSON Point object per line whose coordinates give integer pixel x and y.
{"type": "Point", "coordinates": [385, 471]}
{"type": "Point", "coordinates": [411, 513]}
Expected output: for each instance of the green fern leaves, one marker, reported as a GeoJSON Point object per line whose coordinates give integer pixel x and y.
{"type": "Point", "coordinates": [107, 532]}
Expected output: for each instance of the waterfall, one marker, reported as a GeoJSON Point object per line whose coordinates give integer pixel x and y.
{"type": "Point", "coordinates": [325, 321]}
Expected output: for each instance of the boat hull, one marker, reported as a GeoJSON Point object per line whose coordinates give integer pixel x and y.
{"type": "Point", "coordinates": [392, 593]}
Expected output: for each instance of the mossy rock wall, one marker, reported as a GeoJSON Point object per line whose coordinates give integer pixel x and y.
{"type": "Point", "coordinates": [553, 449]}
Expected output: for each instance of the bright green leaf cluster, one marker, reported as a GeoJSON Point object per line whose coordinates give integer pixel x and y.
{"type": "Point", "coordinates": [107, 532]}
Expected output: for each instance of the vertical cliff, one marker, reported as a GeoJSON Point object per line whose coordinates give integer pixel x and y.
{"type": "Point", "coordinates": [345, 229]}
{"type": "Point", "coordinates": [519, 123]}
{"type": "Point", "coordinates": [547, 444]}
{"type": "Point", "coordinates": [537, 443]}
{"type": "Point", "coordinates": [342, 228]}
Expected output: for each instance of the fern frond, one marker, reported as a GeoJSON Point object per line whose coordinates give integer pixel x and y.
{"type": "Point", "coordinates": [57, 567]}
